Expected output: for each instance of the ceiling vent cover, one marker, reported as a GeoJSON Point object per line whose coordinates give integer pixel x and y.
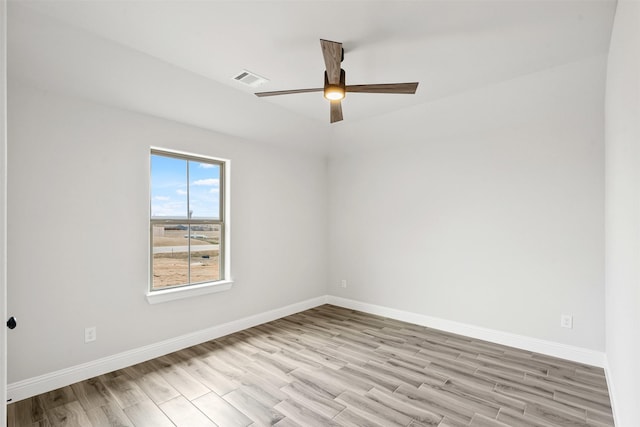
{"type": "Point", "coordinates": [250, 79]}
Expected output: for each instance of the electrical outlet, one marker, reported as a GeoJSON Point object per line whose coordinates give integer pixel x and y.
{"type": "Point", "coordinates": [90, 334]}
{"type": "Point", "coordinates": [566, 321]}
{"type": "Point", "coordinates": [343, 283]}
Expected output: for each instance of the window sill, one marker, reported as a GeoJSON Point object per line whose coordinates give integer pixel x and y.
{"type": "Point", "coordinates": [157, 297]}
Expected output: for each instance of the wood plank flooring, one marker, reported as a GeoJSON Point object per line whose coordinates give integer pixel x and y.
{"type": "Point", "coordinates": [330, 366]}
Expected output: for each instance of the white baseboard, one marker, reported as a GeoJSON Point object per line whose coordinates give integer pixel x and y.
{"type": "Point", "coordinates": [612, 391]}
{"type": "Point", "coordinates": [53, 380]}
{"type": "Point", "coordinates": [550, 348]}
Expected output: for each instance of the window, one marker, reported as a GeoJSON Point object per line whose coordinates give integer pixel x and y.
{"type": "Point", "coordinates": [187, 220]}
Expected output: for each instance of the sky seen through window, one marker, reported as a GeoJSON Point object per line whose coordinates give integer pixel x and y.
{"type": "Point", "coordinates": [173, 197]}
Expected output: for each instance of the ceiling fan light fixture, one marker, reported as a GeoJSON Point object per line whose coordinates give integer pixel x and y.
{"type": "Point", "coordinates": [337, 91]}
{"type": "Point", "coordinates": [334, 93]}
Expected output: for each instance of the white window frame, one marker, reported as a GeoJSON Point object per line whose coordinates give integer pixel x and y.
{"type": "Point", "coordinates": [192, 290]}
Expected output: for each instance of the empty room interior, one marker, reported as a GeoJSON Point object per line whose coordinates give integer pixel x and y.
{"type": "Point", "coordinates": [451, 240]}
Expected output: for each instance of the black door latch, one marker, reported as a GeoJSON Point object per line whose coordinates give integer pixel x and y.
{"type": "Point", "coordinates": [12, 323]}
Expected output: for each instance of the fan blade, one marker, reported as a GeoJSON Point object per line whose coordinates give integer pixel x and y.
{"type": "Point", "coordinates": [407, 88]}
{"type": "Point", "coordinates": [332, 53]}
{"type": "Point", "coordinates": [288, 92]}
{"type": "Point", "coordinates": [336, 111]}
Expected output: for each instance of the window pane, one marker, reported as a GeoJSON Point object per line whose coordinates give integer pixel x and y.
{"type": "Point", "coordinates": [205, 253]}
{"type": "Point", "coordinates": [204, 190]}
{"type": "Point", "coordinates": [168, 187]}
{"type": "Point", "coordinates": [170, 245]}
{"type": "Point", "coordinates": [186, 215]}
{"type": "Point", "coordinates": [171, 261]}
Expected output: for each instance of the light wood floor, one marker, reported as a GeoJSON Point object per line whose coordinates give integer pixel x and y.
{"type": "Point", "coordinates": [327, 367]}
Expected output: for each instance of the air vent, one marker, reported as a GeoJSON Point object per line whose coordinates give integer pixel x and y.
{"type": "Point", "coordinates": [250, 79]}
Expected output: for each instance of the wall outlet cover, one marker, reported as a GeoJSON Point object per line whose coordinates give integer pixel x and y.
{"type": "Point", "coordinates": [566, 321]}
{"type": "Point", "coordinates": [90, 334]}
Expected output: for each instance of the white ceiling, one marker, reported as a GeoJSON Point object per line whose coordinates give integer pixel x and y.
{"type": "Point", "coordinates": [176, 59]}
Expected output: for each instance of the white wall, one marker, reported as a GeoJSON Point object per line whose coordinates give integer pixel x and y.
{"type": "Point", "coordinates": [623, 214]}
{"type": "Point", "coordinates": [485, 208]}
{"type": "Point", "coordinates": [78, 230]}
{"type": "Point", "coordinates": [3, 205]}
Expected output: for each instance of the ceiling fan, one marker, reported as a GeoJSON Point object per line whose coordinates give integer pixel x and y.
{"type": "Point", "coordinates": [334, 82]}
